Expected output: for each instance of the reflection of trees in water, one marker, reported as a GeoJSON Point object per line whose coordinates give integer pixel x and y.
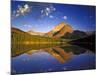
{"type": "Point", "coordinates": [74, 49]}
{"type": "Point", "coordinates": [62, 54]}
{"type": "Point", "coordinates": [18, 49]}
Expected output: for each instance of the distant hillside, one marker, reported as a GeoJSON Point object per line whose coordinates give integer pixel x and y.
{"type": "Point", "coordinates": [17, 31]}
{"type": "Point", "coordinates": [88, 42]}
{"type": "Point", "coordinates": [19, 36]}
{"type": "Point", "coordinates": [76, 34]}
{"type": "Point", "coordinates": [35, 33]}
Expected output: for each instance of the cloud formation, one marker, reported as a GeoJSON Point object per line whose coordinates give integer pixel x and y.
{"type": "Point", "coordinates": [51, 16]}
{"type": "Point", "coordinates": [47, 11]}
{"type": "Point", "coordinates": [21, 10]}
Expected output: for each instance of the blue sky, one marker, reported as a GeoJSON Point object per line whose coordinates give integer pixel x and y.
{"type": "Point", "coordinates": [42, 17]}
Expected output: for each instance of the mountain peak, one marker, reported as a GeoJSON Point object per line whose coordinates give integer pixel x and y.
{"type": "Point", "coordinates": [63, 23]}
{"type": "Point", "coordinates": [60, 26]}
{"type": "Point", "coordinates": [60, 30]}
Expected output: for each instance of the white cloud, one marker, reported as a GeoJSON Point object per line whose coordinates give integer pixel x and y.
{"type": "Point", "coordinates": [26, 6]}
{"type": "Point", "coordinates": [28, 26]}
{"type": "Point", "coordinates": [42, 11]}
{"type": "Point", "coordinates": [65, 17]}
{"type": "Point", "coordinates": [17, 15]}
{"type": "Point", "coordinates": [47, 11]}
{"type": "Point", "coordinates": [21, 10]}
{"type": "Point", "coordinates": [48, 26]}
{"type": "Point", "coordinates": [54, 9]}
{"type": "Point", "coordinates": [51, 16]}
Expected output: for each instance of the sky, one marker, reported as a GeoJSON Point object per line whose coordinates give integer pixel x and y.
{"type": "Point", "coordinates": [43, 17]}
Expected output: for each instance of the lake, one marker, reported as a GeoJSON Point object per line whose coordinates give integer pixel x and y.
{"type": "Point", "coordinates": [50, 58]}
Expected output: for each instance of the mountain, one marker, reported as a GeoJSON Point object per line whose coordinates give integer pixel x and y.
{"type": "Point", "coordinates": [18, 31]}
{"type": "Point", "coordinates": [76, 34]}
{"type": "Point", "coordinates": [88, 42]}
{"type": "Point", "coordinates": [35, 33]}
{"type": "Point", "coordinates": [26, 38]}
{"type": "Point", "coordinates": [22, 42]}
{"type": "Point", "coordinates": [60, 30]}
{"type": "Point", "coordinates": [65, 31]}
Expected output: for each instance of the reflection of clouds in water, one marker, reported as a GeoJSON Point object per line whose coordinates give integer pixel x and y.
{"type": "Point", "coordinates": [26, 59]}
{"type": "Point", "coordinates": [43, 55]}
{"type": "Point", "coordinates": [50, 69]}
{"type": "Point", "coordinates": [64, 68]}
{"type": "Point", "coordinates": [13, 71]}
{"type": "Point", "coordinates": [49, 66]}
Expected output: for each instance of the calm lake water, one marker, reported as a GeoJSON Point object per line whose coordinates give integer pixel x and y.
{"type": "Point", "coordinates": [49, 58]}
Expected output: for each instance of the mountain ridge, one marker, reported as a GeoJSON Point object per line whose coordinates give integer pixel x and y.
{"type": "Point", "coordinates": [60, 30]}
{"type": "Point", "coordinates": [35, 33]}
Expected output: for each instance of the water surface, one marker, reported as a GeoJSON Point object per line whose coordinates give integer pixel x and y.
{"type": "Point", "coordinates": [49, 58]}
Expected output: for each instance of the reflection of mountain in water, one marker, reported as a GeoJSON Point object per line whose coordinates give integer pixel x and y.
{"type": "Point", "coordinates": [62, 54]}
{"type": "Point", "coordinates": [18, 49]}
{"type": "Point", "coordinates": [57, 52]}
